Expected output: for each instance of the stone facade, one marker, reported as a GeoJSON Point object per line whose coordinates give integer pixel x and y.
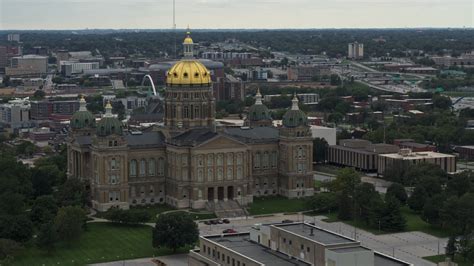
{"type": "Point", "coordinates": [187, 162]}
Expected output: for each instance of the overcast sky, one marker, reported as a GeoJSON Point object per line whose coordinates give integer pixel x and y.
{"type": "Point", "coordinates": [218, 14]}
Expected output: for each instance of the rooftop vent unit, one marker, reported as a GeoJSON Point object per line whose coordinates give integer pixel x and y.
{"type": "Point", "coordinates": [405, 152]}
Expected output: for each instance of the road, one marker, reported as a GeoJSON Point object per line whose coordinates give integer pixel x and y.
{"type": "Point", "coordinates": [408, 246]}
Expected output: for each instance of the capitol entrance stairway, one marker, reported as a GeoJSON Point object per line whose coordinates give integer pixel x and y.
{"type": "Point", "coordinates": [226, 209]}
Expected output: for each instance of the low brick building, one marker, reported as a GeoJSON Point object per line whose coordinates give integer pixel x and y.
{"type": "Point", "coordinates": [358, 153]}
{"type": "Point", "coordinates": [406, 157]}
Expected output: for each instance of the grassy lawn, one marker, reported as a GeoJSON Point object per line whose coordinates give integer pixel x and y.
{"type": "Point", "coordinates": [276, 204]}
{"type": "Point", "coordinates": [329, 169]}
{"type": "Point", "coordinates": [153, 210]}
{"type": "Point", "coordinates": [414, 223]}
{"type": "Point", "coordinates": [200, 215]}
{"type": "Point", "coordinates": [100, 243]}
{"type": "Point", "coordinates": [459, 260]}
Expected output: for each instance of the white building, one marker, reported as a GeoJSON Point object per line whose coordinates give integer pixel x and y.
{"type": "Point", "coordinates": [356, 50]}
{"type": "Point", "coordinates": [13, 37]}
{"type": "Point", "coordinates": [69, 68]}
{"type": "Point", "coordinates": [27, 65]}
{"type": "Point", "coordinates": [326, 133]}
{"type": "Point", "coordinates": [15, 114]}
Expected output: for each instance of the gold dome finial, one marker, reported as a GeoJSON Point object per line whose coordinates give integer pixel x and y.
{"type": "Point", "coordinates": [108, 109]}
{"type": "Point", "coordinates": [82, 104]}
{"type": "Point", "coordinates": [258, 97]}
{"type": "Point", "coordinates": [294, 102]}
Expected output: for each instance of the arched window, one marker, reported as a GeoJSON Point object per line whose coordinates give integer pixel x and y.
{"type": "Point", "coordinates": [274, 159]}
{"type": "Point", "coordinates": [220, 159]}
{"type": "Point", "coordinates": [142, 171]}
{"type": "Point", "coordinates": [265, 161]}
{"type": "Point", "coordinates": [133, 168]}
{"type": "Point", "coordinates": [151, 167]}
{"type": "Point", "coordinates": [300, 152]}
{"type": "Point", "coordinates": [161, 166]}
{"type": "Point", "coordinates": [230, 159]}
{"type": "Point", "coordinates": [256, 162]}
{"type": "Point", "coordinates": [200, 175]}
{"type": "Point", "coordinates": [186, 111]}
{"type": "Point", "coordinates": [229, 172]}
{"type": "Point", "coordinates": [113, 164]}
{"type": "Point", "coordinates": [220, 173]}
{"type": "Point", "coordinates": [239, 158]}
{"type": "Point", "coordinates": [210, 160]}
{"type": "Point", "coordinates": [239, 172]}
{"type": "Point", "coordinates": [210, 174]}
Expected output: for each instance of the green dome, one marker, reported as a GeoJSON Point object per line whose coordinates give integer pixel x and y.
{"type": "Point", "coordinates": [82, 118]}
{"type": "Point", "coordinates": [295, 117]}
{"type": "Point", "coordinates": [109, 126]}
{"type": "Point", "coordinates": [258, 112]}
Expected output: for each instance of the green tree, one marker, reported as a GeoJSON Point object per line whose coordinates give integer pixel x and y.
{"type": "Point", "coordinates": [39, 94]}
{"type": "Point", "coordinates": [431, 210]}
{"type": "Point", "coordinates": [119, 109]}
{"type": "Point", "coordinates": [451, 247]}
{"type": "Point", "coordinates": [320, 147]}
{"type": "Point", "coordinates": [175, 230]}
{"type": "Point", "coordinates": [73, 192]}
{"type": "Point", "coordinates": [44, 210]}
{"type": "Point", "coordinates": [365, 193]}
{"type": "Point", "coordinates": [459, 184]}
{"type": "Point", "coordinates": [417, 199]}
{"type": "Point", "coordinates": [398, 191]}
{"type": "Point", "coordinates": [16, 227]}
{"type": "Point", "coordinates": [441, 102]}
{"type": "Point", "coordinates": [69, 222]}
{"type": "Point", "coordinates": [323, 202]}
{"type": "Point", "coordinates": [346, 206]}
{"type": "Point", "coordinates": [8, 250]}
{"type": "Point", "coordinates": [392, 219]}
{"type": "Point", "coordinates": [47, 237]}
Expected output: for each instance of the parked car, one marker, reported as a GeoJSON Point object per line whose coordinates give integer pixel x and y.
{"type": "Point", "coordinates": [226, 221]}
{"type": "Point", "coordinates": [207, 222]}
{"type": "Point", "coordinates": [287, 221]}
{"type": "Point", "coordinates": [229, 231]}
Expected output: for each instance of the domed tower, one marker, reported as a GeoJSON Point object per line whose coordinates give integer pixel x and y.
{"type": "Point", "coordinates": [258, 115]}
{"type": "Point", "coordinates": [296, 154]}
{"type": "Point", "coordinates": [82, 127]}
{"type": "Point", "coordinates": [189, 101]}
{"type": "Point", "coordinates": [109, 184]}
{"type": "Point", "coordinates": [82, 122]}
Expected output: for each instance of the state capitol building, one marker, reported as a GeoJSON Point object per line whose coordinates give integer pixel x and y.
{"type": "Point", "coordinates": [188, 163]}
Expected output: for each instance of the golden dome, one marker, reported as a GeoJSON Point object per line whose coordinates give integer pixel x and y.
{"type": "Point", "coordinates": [188, 39]}
{"type": "Point", "coordinates": [188, 72]}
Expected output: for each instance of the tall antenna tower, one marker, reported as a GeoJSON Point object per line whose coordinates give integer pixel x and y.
{"type": "Point", "coordinates": [174, 26]}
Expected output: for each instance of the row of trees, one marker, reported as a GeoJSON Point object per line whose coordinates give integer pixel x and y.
{"type": "Point", "coordinates": [332, 41]}
{"type": "Point", "coordinates": [38, 201]}
{"type": "Point", "coordinates": [360, 202]}
{"type": "Point", "coordinates": [444, 201]}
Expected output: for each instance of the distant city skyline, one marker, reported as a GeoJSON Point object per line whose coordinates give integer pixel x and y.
{"type": "Point", "coordinates": [234, 14]}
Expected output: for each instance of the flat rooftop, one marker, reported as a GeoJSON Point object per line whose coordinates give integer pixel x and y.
{"type": "Point", "coordinates": [350, 249]}
{"type": "Point", "coordinates": [382, 260]}
{"type": "Point", "coordinates": [241, 244]}
{"type": "Point", "coordinates": [319, 235]}
{"type": "Point", "coordinates": [417, 155]}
